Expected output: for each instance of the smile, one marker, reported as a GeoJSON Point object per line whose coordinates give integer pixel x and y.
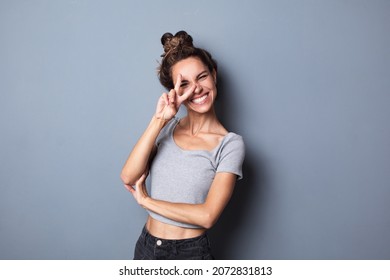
{"type": "Point", "coordinates": [200, 100]}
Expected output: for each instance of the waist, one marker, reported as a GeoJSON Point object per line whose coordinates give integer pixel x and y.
{"type": "Point", "coordinates": [166, 231]}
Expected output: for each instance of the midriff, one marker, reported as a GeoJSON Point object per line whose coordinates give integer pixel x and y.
{"type": "Point", "coordinates": [166, 231]}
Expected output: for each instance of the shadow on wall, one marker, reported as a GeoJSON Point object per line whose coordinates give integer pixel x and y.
{"type": "Point", "coordinates": [241, 213]}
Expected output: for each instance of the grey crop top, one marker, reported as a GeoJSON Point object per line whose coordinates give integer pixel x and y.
{"type": "Point", "coordinates": [185, 176]}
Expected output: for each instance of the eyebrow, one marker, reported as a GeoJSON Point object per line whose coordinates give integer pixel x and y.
{"type": "Point", "coordinates": [202, 73]}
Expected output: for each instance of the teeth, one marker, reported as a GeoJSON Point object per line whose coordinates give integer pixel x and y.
{"type": "Point", "coordinates": [200, 99]}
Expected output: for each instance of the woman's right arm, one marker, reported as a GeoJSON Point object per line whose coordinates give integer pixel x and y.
{"type": "Point", "coordinates": [138, 160]}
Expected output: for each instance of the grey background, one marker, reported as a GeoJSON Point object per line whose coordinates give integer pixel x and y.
{"type": "Point", "coordinates": [306, 83]}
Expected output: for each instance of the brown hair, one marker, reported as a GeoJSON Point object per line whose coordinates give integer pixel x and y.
{"type": "Point", "coordinates": [177, 48]}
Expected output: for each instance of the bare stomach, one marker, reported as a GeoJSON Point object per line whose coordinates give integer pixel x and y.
{"type": "Point", "coordinates": [165, 231]}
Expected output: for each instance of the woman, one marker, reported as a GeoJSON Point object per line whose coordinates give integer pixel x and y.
{"type": "Point", "coordinates": [194, 161]}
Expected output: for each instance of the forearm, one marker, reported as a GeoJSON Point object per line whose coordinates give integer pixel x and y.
{"type": "Point", "coordinates": [203, 215]}
{"type": "Point", "coordinates": [196, 214]}
{"type": "Point", "coordinates": [139, 157]}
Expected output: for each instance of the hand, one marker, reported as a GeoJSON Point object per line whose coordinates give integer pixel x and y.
{"type": "Point", "coordinates": [139, 190]}
{"type": "Point", "coordinates": [168, 105]}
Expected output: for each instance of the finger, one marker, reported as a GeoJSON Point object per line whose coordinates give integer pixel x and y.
{"type": "Point", "coordinates": [178, 83]}
{"type": "Point", "coordinates": [164, 98]}
{"type": "Point", "coordinates": [145, 192]}
{"type": "Point", "coordinates": [143, 177]}
{"type": "Point", "coordinates": [186, 95]}
{"type": "Point", "coordinates": [129, 188]}
{"type": "Point", "coordinates": [172, 97]}
{"type": "Point", "coordinates": [140, 182]}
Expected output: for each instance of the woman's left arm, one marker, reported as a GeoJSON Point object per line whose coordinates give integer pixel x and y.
{"type": "Point", "coordinates": [204, 215]}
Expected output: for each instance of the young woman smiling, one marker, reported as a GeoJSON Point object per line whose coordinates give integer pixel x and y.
{"type": "Point", "coordinates": [193, 162]}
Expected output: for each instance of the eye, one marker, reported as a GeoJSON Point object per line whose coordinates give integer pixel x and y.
{"type": "Point", "coordinates": [204, 76]}
{"type": "Point", "coordinates": [183, 85]}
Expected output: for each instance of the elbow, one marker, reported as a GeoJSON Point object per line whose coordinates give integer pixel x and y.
{"type": "Point", "coordinates": [126, 179]}
{"type": "Point", "coordinates": [209, 221]}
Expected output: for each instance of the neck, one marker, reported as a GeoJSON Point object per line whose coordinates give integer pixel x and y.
{"type": "Point", "coordinates": [196, 122]}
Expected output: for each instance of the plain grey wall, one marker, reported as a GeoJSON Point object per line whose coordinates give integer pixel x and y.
{"type": "Point", "coordinates": [305, 82]}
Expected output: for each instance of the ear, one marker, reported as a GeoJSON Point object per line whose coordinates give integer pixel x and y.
{"type": "Point", "coordinates": [215, 76]}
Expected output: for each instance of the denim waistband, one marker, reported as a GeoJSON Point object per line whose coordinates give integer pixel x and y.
{"type": "Point", "coordinates": [155, 248]}
{"type": "Point", "coordinates": [177, 242]}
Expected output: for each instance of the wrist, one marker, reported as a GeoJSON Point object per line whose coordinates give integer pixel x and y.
{"type": "Point", "coordinates": [144, 202]}
{"type": "Point", "coordinates": [160, 121]}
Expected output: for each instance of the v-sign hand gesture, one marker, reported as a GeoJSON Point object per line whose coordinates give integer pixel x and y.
{"type": "Point", "coordinates": [169, 103]}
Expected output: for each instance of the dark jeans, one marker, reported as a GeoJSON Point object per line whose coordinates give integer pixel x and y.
{"type": "Point", "coordinates": [149, 247]}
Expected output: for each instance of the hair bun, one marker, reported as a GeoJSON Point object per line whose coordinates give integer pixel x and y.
{"type": "Point", "coordinates": [170, 42]}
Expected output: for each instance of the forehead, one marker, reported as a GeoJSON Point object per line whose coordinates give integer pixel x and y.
{"type": "Point", "coordinates": [188, 67]}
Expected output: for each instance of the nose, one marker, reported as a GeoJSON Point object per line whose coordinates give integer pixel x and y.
{"type": "Point", "coordinates": [198, 89]}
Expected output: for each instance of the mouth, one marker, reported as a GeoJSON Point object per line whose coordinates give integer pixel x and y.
{"type": "Point", "coordinates": [200, 100]}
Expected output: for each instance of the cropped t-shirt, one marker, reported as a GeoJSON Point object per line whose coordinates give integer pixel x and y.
{"type": "Point", "coordinates": [185, 176]}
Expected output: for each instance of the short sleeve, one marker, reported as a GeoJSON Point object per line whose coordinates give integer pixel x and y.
{"type": "Point", "coordinates": [167, 130]}
{"type": "Point", "coordinates": [231, 156]}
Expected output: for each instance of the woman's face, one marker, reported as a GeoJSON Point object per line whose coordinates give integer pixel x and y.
{"type": "Point", "coordinates": [194, 72]}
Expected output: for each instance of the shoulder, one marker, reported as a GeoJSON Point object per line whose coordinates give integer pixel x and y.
{"type": "Point", "coordinates": [231, 154]}
{"type": "Point", "coordinates": [172, 123]}
{"type": "Point", "coordinates": [232, 143]}
{"type": "Point", "coordinates": [233, 140]}
{"type": "Point", "coordinates": [170, 126]}
{"type": "Point", "coordinates": [167, 130]}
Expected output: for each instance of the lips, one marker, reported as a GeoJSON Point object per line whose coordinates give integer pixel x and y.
{"type": "Point", "coordinates": [200, 100]}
